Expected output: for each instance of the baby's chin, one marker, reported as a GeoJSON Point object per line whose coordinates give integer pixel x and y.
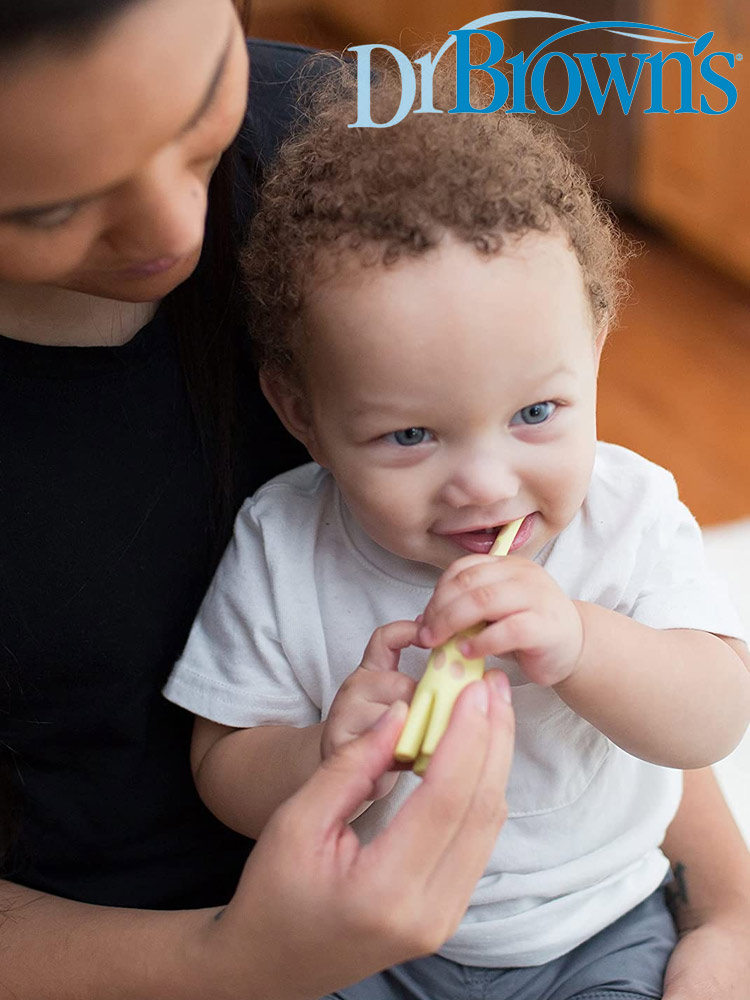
{"type": "Point", "coordinates": [427, 550]}
{"type": "Point", "coordinates": [438, 553]}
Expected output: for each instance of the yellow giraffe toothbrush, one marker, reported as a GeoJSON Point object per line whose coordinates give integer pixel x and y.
{"type": "Point", "coordinates": [448, 673]}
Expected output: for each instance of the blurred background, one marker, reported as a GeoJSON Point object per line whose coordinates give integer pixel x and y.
{"type": "Point", "coordinates": [675, 377]}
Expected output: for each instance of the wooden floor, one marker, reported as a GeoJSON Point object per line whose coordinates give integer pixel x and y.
{"type": "Point", "coordinates": [675, 375]}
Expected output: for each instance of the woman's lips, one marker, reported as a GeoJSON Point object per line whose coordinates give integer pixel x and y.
{"type": "Point", "coordinates": [150, 267]}
{"type": "Point", "coordinates": [482, 541]}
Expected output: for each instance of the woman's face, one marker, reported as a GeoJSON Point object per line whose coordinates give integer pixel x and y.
{"type": "Point", "coordinates": [107, 150]}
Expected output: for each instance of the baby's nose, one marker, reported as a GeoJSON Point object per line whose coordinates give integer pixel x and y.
{"type": "Point", "coordinates": [488, 480]}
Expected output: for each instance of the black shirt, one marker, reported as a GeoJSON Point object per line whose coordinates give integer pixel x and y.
{"type": "Point", "coordinates": [104, 558]}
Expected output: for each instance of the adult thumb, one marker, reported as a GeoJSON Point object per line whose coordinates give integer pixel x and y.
{"type": "Point", "coordinates": [346, 779]}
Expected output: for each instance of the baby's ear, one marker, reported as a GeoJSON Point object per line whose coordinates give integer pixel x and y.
{"type": "Point", "coordinates": [292, 408]}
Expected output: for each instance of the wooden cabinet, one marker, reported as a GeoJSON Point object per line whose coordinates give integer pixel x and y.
{"type": "Point", "coordinates": [408, 24]}
{"type": "Point", "coordinates": [693, 174]}
{"type": "Point", "coordinates": [604, 144]}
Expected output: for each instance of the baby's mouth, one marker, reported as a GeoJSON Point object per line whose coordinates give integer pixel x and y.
{"type": "Point", "coordinates": [490, 533]}
{"type": "Point", "coordinates": [481, 540]}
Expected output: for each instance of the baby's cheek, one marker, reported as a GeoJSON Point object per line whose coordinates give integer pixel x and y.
{"type": "Point", "coordinates": [375, 511]}
{"type": "Point", "coordinates": [388, 504]}
{"type": "Point", "coordinates": [568, 482]}
{"type": "Point", "coordinates": [558, 508]}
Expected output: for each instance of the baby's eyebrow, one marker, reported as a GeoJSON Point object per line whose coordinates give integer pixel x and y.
{"type": "Point", "coordinates": [392, 410]}
{"type": "Point", "coordinates": [400, 411]}
{"type": "Point", "coordinates": [562, 369]}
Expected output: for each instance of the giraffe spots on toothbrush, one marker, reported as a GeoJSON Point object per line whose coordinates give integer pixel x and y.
{"type": "Point", "coordinates": [457, 669]}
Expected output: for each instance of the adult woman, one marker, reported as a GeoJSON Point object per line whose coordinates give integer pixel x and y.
{"type": "Point", "coordinates": [126, 431]}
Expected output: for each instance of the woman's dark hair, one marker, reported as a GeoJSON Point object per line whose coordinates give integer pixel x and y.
{"type": "Point", "coordinates": [26, 22]}
{"type": "Point", "coordinates": [208, 315]}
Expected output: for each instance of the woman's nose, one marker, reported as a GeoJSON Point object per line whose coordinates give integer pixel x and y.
{"type": "Point", "coordinates": [162, 214]}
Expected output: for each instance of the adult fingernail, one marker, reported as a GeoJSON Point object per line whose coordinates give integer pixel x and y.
{"type": "Point", "coordinates": [479, 697]}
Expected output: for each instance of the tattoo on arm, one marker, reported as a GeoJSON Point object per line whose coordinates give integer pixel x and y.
{"type": "Point", "coordinates": [677, 892]}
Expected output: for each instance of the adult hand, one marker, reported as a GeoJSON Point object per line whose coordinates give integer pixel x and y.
{"type": "Point", "coordinates": [316, 910]}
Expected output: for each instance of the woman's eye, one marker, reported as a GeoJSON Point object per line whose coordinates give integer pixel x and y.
{"type": "Point", "coordinates": [47, 218]}
{"type": "Point", "coordinates": [537, 413]}
{"type": "Point", "coordinates": [409, 436]}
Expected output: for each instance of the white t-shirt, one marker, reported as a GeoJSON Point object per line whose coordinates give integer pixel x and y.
{"type": "Point", "coordinates": [301, 589]}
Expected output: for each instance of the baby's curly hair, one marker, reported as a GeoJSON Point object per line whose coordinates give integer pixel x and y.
{"type": "Point", "coordinates": [382, 194]}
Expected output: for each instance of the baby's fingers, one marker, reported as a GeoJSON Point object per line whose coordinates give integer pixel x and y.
{"type": "Point", "coordinates": [546, 650]}
{"type": "Point", "coordinates": [371, 690]}
{"type": "Point", "coordinates": [461, 575]}
{"type": "Point", "coordinates": [482, 577]}
{"type": "Point", "coordinates": [385, 645]}
{"type": "Point", "coordinates": [360, 702]}
{"type": "Point", "coordinates": [511, 634]}
{"type": "Point", "coordinates": [486, 601]}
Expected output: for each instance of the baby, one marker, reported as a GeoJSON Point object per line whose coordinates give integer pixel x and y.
{"type": "Point", "coordinates": [431, 304]}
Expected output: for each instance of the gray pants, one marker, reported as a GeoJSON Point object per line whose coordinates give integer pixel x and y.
{"type": "Point", "coordinates": [625, 961]}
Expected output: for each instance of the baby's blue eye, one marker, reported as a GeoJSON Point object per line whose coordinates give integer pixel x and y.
{"type": "Point", "coordinates": [537, 413]}
{"type": "Point", "coordinates": [410, 436]}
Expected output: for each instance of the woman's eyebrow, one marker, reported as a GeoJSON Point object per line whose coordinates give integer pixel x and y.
{"type": "Point", "coordinates": [208, 97]}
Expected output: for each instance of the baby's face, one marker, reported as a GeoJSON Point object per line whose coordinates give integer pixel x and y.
{"type": "Point", "coordinates": [451, 394]}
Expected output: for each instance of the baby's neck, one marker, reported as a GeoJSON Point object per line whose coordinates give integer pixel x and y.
{"type": "Point", "coordinates": [42, 314]}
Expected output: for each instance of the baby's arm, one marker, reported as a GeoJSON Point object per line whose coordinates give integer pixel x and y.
{"type": "Point", "coordinates": [675, 697]}
{"type": "Point", "coordinates": [243, 775]}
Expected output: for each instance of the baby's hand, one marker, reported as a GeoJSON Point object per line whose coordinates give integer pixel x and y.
{"type": "Point", "coordinates": [526, 612]}
{"type": "Point", "coordinates": [369, 691]}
